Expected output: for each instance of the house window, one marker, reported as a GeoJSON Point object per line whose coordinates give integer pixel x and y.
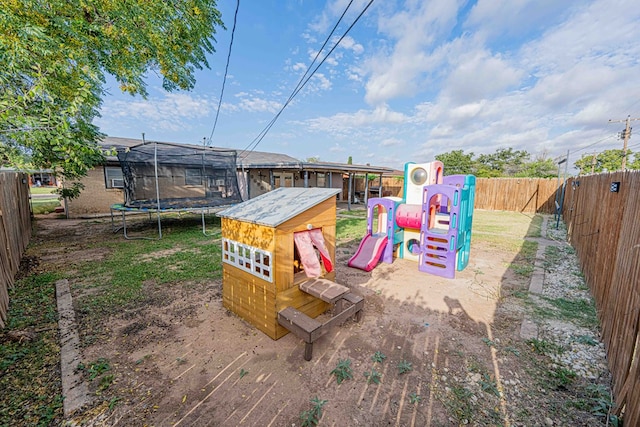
{"type": "Point", "coordinates": [247, 258]}
{"type": "Point", "coordinates": [193, 176]}
{"type": "Point", "coordinates": [113, 177]}
{"type": "Point", "coordinates": [321, 179]}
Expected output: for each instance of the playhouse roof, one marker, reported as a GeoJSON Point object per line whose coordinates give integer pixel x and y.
{"type": "Point", "coordinates": [278, 206]}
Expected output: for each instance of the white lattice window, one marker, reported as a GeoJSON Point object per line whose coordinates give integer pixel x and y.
{"type": "Point", "coordinates": [247, 258]}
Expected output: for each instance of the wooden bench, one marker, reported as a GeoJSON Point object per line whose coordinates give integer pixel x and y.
{"type": "Point", "coordinates": [309, 329]}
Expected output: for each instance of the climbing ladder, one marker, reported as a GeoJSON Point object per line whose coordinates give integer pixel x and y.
{"type": "Point", "coordinates": [344, 305]}
{"type": "Point", "coordinates": [439, 238]}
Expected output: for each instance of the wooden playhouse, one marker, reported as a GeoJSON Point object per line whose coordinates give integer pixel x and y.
{"type": "Point", "coordinates": [278, 252]}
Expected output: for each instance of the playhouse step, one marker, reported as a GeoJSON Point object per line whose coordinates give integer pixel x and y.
{"type": "Point", "coordinates": [309, 329]}
{"type": "Point", "coordinates": [303, 326]}
{"type": "Point", "coordinates": [324, 289]}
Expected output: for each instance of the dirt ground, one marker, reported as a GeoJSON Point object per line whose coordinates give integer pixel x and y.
{"type": "Point", "coordinates": [185, 360]}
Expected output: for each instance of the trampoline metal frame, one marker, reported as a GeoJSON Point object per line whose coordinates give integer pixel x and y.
{"type": "Point", "coordinates": [157, 209]}
{"type": "Point", "coordinates": [118, 207]}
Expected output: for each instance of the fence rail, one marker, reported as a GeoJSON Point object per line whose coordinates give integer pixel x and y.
{"type": "Point", "coordinates": [497, 194]}
{"type": "Point", "coordinates": [604, 228]}
{"type": "Point", "coordinates": [516, 194]}
{"type": "Point", "coordinates": [15, 231]}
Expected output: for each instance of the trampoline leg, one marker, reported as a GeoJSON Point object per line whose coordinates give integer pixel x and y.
{"type": "Point", "coordinates": [124, 225]}
{"type": "Point", "coordinates": [159, 226]}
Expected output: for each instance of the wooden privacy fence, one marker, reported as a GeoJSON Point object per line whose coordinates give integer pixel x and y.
{"type": "Point", "coordinates": [535, 195]}
{"type": "Point", "coordinates": [604, 228]}
{"type": "Point", "coordinates": [15, 231]}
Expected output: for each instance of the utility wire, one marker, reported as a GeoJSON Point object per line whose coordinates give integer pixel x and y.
{"type": "Point", "coordinates": [226, 70]}
{"type": "Point", "coordinates": [298, 87]}
{"type": "Point", "coordinates": [592, 144]}
{"type": "Point", "coordinates": [253, 145]}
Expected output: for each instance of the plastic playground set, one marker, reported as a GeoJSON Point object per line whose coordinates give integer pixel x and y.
{"type": "Point", "coordinates": [430, 225]}
{"type": "Point", "coordinates": [278, 249]}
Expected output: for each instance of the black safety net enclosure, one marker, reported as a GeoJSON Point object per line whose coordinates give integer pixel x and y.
{"type": "Point", "coordinates": [159, 175]}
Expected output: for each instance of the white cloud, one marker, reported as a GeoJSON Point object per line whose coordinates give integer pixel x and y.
{"type": "Point", "coordinates": [298, 66]}
{"type": "Point", "coordinates": [349, 43]}
{"type": "Point", "coordinates": [169, 112]}
{"type": "Point", "coordinates": [478, 75]}
{"type": "Point", "coordinates": [399, 71]}
{"type": "Point", "coordinates": [389, 142]}
{"type": "Point", "coordinates": [323, 82]}
{"type": "Point", "coordinates": [337, 149]}
{"type": "Point", "coordinates": [514, 18]}
{"type": "Point", "coordinates": [258, 105]}
{"type": "Point", "coordinates": [362, 118]}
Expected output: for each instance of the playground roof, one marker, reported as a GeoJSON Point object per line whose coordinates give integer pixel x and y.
{"type": "Point", "coordinates": [278, 206]}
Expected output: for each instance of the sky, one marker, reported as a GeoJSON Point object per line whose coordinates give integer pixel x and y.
{"type": "Point", "coordinates": [411, 80]}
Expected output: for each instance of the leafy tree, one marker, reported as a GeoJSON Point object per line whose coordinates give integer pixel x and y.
{"type": "Point", "coordinates": [606, 161]}
{"type": "Point", "coordinates": [456, 162]}
{"type": "Point", "coordinates": [350, 160]}
{"type": "Point", "coordinates": [504, 162]}
{"type": "Point", "coordinates": [312, 159]}
{"type": "Point", "coordinates": [541, 167]}
{"type": "Point", "coordinates": [54, 56]}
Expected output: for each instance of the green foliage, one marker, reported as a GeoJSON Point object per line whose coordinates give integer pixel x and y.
{"type": "Point", "coordinates": [243, 373]}
{"type": "Point", "coordinates": [459, 404]}
{"type": "Point", "coordinates": [373, 376]}
{"type": "Point", "coordinates": [312, 417]}
{"type": "Point", "coordinates": [607, 161]}
{"type": "Point", "coordinates": [56, 54]}
{"type": "Point", "coordinates": [343, 370]}
{"type": "Point", "coordinates": [488, 385]}
{"type": "Point", "coordinates": [456, 162]}
{"type": "Point", "coordinates": [504, 162]}
{"type": "Point", "coordinates": [71, 192]}
{"type": "Point", "coordinates": [39, 207]}
{"type": "Point", "coordinates": [544, 347]}
{"type": "Point", "coordinates": [404, 367]}
{"type": "Point", "coordinates": [560, 378]}
{"type": "Point", "coordinates": [414, 398]}
{"type": "Point", "coordinates": [95, 368]}
{"type": "Point", "coordinates": [488, 342]}
{"type": "Point", "coordinates": [30, 383]}
{"type": "Point", "coordinates": [378, 357]}
{"type": "Point", "coordinates": [580, 312]}
{"type": "Point", "coordinates": [539, 168]}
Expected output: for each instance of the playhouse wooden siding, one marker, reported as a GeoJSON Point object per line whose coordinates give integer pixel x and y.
{"type": "Point", "coordinates": [258, 301]}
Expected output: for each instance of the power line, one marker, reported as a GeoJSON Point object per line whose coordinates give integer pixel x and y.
{"type": "Point", "coordinates": [226, 70]}
{"type": "Point", "coordinates": [592, 144]}
{"type": "Point", "coordinates": [253, 144]}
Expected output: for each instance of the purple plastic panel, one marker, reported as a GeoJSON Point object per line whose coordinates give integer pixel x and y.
{"type": "Point", "coordinates": [438, 247]}
{"type": "Point", "coordinates": [390, 206]}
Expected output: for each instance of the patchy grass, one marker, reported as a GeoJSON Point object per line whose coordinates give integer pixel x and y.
{"type": "Point", "coordinates": [44, 190]}
{"type": "Point", "coordinates": [503, 230]}
{"type": "Point", "coordinates": [580, 312]}
{"type": "Point", "coordinates": [45, 206]}
{"type": "Point", "coordinates": [351, 228]}
{"type": "Point", "coordinates": [523, 263]}
{"type": "Point", "coordinates": [30, 385]}
{"type": "Point", "coordinates": [133, 267]}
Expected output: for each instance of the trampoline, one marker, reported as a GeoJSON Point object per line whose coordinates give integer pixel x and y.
{"type": "Point", "coordinates": [163, 177]}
